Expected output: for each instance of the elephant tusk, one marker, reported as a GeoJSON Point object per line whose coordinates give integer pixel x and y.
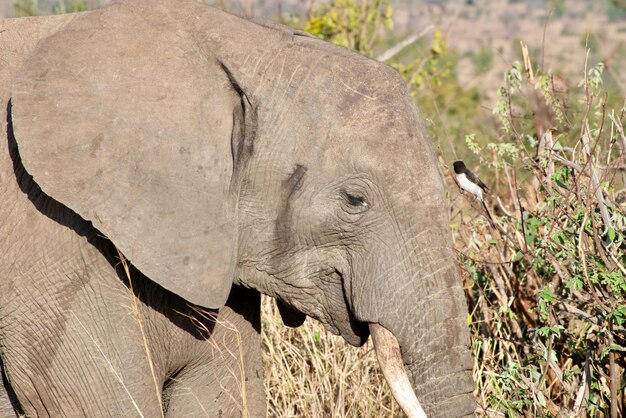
{"type": "Point", "coordinates": [388, 353]}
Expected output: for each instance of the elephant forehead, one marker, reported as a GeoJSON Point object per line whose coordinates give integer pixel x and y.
{"type": "Point", "coordinates": [383, 141]}
{"type": "Point", "coordinates": [373, 111]}
{"type": "Point", "coordinates": [397, 157]}
{"type": "Point", "coordinates": [346, 118]}
{"type": "Point", "coordinates": [370, 99]}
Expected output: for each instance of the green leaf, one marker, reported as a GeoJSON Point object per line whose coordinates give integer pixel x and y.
{"type": "Point", "coordinates": [547, 295]}
{"type": "Point", "coordinates": [611, 234]}
{"type": "Point", "coordinates": [541, 399]}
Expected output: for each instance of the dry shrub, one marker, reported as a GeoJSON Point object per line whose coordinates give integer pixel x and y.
{"type": "Point", "coordinates": [546, 286]}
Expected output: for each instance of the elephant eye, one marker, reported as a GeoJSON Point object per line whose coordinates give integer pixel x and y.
{"type": "Point", "coordinates": [356, 201]}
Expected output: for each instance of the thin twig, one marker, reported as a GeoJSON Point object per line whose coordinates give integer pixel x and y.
{"type": "Point", "coordinates": [583, 391]}
{"type": "Point", "coordinates": [527, 64]}
{"type": "Point", "coordinates": [394, 50]}
{"type": "Point", "coordinates": [604, 213]}
{"type": "Point", "coordinates": [614, 377]}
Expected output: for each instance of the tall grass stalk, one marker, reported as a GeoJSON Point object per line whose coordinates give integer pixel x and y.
{"type": "Point", "coordinates": [139, 319]}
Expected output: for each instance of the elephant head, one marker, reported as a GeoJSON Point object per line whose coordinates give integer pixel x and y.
{"type": "Point", "coordinates": [212, 150]}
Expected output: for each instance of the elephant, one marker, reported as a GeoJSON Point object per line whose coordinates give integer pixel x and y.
{"type": "Point", "coordinates": [165, 163]}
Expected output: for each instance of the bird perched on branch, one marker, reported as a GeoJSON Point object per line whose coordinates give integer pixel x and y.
{"type": "Point", "coordinates": [471, 184]}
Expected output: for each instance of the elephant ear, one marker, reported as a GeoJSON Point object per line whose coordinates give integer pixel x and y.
{"type": "Point", "coordinates": [120, 118]}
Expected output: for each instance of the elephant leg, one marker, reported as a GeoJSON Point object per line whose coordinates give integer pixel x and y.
{"type": "Point", "coordinates": [77, 340]}
{"type": "Point", "coordinates": [70, 328]}
{"type": "Point", "coordinates": [88, 346]}
{"type": "Point", "coordinates": [9, 408]}
{"type": "Point", "coordinates": [73, 343]}
{"type": "Point", "coordinates": [80, 343]}
{"type": "Point", "coordinates": [230, 380]}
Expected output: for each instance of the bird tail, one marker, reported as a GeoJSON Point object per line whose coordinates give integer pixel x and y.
{"type": "Point", "coordinates": [491, 221]}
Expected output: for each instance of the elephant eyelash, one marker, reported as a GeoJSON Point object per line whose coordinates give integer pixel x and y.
{"type": "Point", "coordinates": [355, 200]}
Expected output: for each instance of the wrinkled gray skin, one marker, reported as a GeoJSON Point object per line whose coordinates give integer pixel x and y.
{"type": "Point", "coordinates": [224, 159]}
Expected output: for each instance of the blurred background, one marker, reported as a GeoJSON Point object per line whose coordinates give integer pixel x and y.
{"type": "Point", "coordinates": [531, 95]}
{"type": "Point", "coordinates": [471, 42]}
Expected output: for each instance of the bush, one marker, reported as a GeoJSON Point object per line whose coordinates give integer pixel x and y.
{"type": "Point", "coordinates": [23, 8]}
{"type": "Point", "coordinates": [547, 286]}
{"type": "Point", "coordinates": [482, 60]}
{"type": "Point", "coordinates": [353, 24]}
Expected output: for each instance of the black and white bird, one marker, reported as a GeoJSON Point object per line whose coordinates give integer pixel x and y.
{"type": "Point", "coordinates": [471, 184]}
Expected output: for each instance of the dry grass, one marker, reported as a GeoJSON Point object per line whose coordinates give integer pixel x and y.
{"type": "Point", "coordinates": [311, 373]}
{"type": "Point", "coordinates": [140, 322]}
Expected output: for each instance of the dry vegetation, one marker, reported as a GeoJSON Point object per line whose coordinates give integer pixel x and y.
{"type": "Point", "coordinates": [546, 286]}
{"type": "Point", "coordinates": [310, 373]}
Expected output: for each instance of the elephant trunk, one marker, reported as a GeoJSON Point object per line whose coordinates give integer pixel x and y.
{"type": "Point", "coordinates": [421, 314]}
{"type": "Point", "coordinates": [434, 346]}
{"type": "Point", "coordinates": [442, 373]}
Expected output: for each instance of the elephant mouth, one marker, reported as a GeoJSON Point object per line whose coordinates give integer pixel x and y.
{"type": "Point", "coordinates": [352, 330]}
{"type": "Point", "coordinates": [334, 313]}
{"type": "Point", "coordinates": [342, 321]}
